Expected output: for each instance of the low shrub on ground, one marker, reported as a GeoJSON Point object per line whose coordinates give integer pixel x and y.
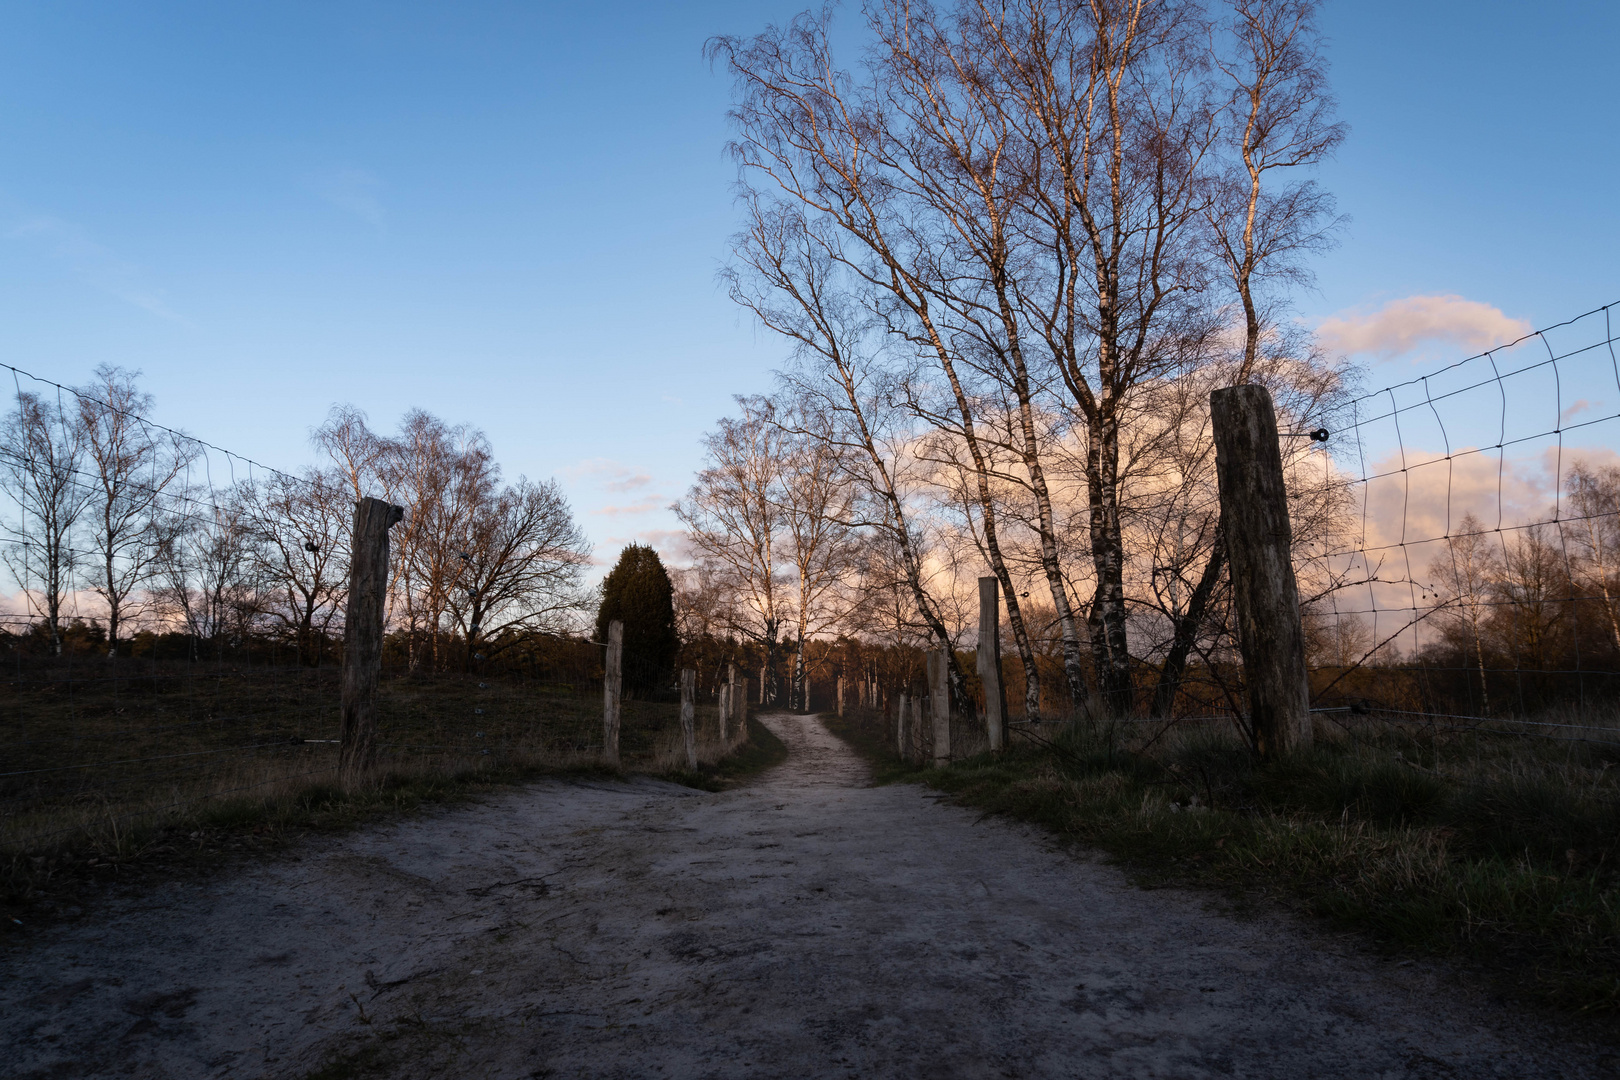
{"type": "Point", "coordinates": [1503, 850]}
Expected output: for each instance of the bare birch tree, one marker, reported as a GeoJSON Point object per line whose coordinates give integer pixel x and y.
{"type": "Point", "coordinates": [300, 530]}
{"type": "Point", "coordinates": [1466, 576]}
{"type": "Point", "coordinates": [204, 570]}
{"type": "Point", "coordinates": [42, 459]}
{"type": "Point", "coordinates": [133, 466]}
{"type": "Point", "coordinates": [790, 278]}
{"type": "Point", "coordinates": [734, 519]}
{"type": "Point", "coordinates": [527, 562]}
{"type": "Point", "coordinates": [821, 547]}
{"type": "Point", "coordinates": [1594, 498]}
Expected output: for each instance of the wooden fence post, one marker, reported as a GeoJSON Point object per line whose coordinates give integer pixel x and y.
{"type": "Point", "coordinates": [995, 695]}
{"type": "Point", "coordinates": [739, 702]}
{"type": "Point", "coordinates": [914, 732]}
{"type": "Point", "coordinates": [722, 708]}
{"type": "Point", "coordinates": [689, 716]}
{"type": "Point", "coordinates": [612, 689]}
{"type": "Point", "coordinates": [840, 693]}
{"type": "Point", "coordinates": [900, 725]}
{"type": "Point", "coordinates": [939, 695]}
{"type": "Point", "coordinates": [1259, 539]}
{"type": "Point", "coordinates": [363, 636]}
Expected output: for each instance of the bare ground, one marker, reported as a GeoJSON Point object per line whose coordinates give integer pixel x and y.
{"type": "Point", "coordinates": [808, 925]}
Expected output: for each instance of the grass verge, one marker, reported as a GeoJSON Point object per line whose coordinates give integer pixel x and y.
{"type": "Point", "coordinates": [1485, 848]}
{"type": "Point", "coordinates": [202, 836]}
{"type": "Point", "coordinates": [758, 752]}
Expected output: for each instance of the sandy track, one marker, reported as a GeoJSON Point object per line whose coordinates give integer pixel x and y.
{"type": "Point", "coordinates": [805, 926]}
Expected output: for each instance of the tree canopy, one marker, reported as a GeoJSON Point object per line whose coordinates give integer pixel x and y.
{"type": "Point", "coordinates": [639, 593]}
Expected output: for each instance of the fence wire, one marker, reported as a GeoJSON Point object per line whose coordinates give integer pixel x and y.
{"type": "Point", "coordinates": [1479, 574]}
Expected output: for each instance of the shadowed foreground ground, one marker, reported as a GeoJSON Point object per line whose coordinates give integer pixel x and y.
{"type": "Point", "coordinates": [805, 926]}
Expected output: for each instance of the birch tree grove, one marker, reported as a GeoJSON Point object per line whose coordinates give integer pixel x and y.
{"type": "Point", "coordinates": [1012, 248]}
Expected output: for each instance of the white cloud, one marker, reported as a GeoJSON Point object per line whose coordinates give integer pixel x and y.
{"type": "Point", "coordinates": [1400, 326]}
{"type": "Point", "coordinates": [354, 191]}
{"type": "Point", "coordinates": [94, 263]}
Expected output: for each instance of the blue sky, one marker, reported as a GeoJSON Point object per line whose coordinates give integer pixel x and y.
{"type": "Point", "coordinates": [513, 214]}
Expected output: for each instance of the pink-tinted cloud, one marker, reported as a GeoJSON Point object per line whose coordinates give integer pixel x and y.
{"type": "Point", "coordinates": [643, 507]}
{"type": "Point", "coordinates": [609, 475]}
{"type": "Point", "coordinates": [671, 544]}
{"type": "Point", "coordinates": [1402, 325]}
{"type": "Point", "coordinates": [1580, 406]}
{"type": "Point", "coordinates": [628, 483]}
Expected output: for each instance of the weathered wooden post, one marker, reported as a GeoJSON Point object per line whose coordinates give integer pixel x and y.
{"type": "Point", "coordinates": [1259, 539]}
{"type": "Point", "coordinates": [689, 716]}
{"type": "Point", "coordinates": [995, 695]}
{"type": "Point", "coordinates": [363, 636]}
{"type": "Point", "coordinates": [612, 690]}
{"type": "Point", "coordinates": [900, 717]}
{"type": "Point", "coordinates": [723, 708]}
{"type": "Point", "coordinates": [739, 703]}
{"type": "Point", "coordinates": [914, 732]}
{"type": "Point", "coordinates": [840, 693]}
{"type": "Point", "coordinates": [939, 696]}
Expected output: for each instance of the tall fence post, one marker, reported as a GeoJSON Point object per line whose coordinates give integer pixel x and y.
{"type": "Point", "coordinates": [1259, 541]}
{"type": "Point", "coordinates": [939, 696]}
{"type": "Point", "coordinates": [363, 636]}
{"type": "Point", "coordinates": [914, 732]}
{"type": "Point", "coordinates": [689, 716]}
{"type": "Point", "coordinates": [739, 702]}
{"type": "Point", "coordinates": [612, 689]}
{"type": "Point", "coordinates": [840, 692]}
{"type": "Point", "coordinates": [995, 695]}
{"type": "Point", "coordinates": [900, 716]}
{"type": "Point", "coordinates": [722, 708]}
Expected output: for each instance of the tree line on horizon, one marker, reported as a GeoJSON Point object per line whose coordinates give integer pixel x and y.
{"type": "Point", "coordinates": [115, 514]}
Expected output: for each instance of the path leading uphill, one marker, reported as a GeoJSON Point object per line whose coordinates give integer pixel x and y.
{"type": "Point", "coordinates": [805, 926]}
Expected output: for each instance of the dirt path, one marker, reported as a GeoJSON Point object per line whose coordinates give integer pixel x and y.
{"type": "Point", "coordinates": [806, 926]}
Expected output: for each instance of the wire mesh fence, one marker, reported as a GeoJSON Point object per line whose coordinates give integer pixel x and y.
{"type": "Point", "coordinates": [95, 746]}
{"type": "Point", "coordinates": [1480, 573]}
